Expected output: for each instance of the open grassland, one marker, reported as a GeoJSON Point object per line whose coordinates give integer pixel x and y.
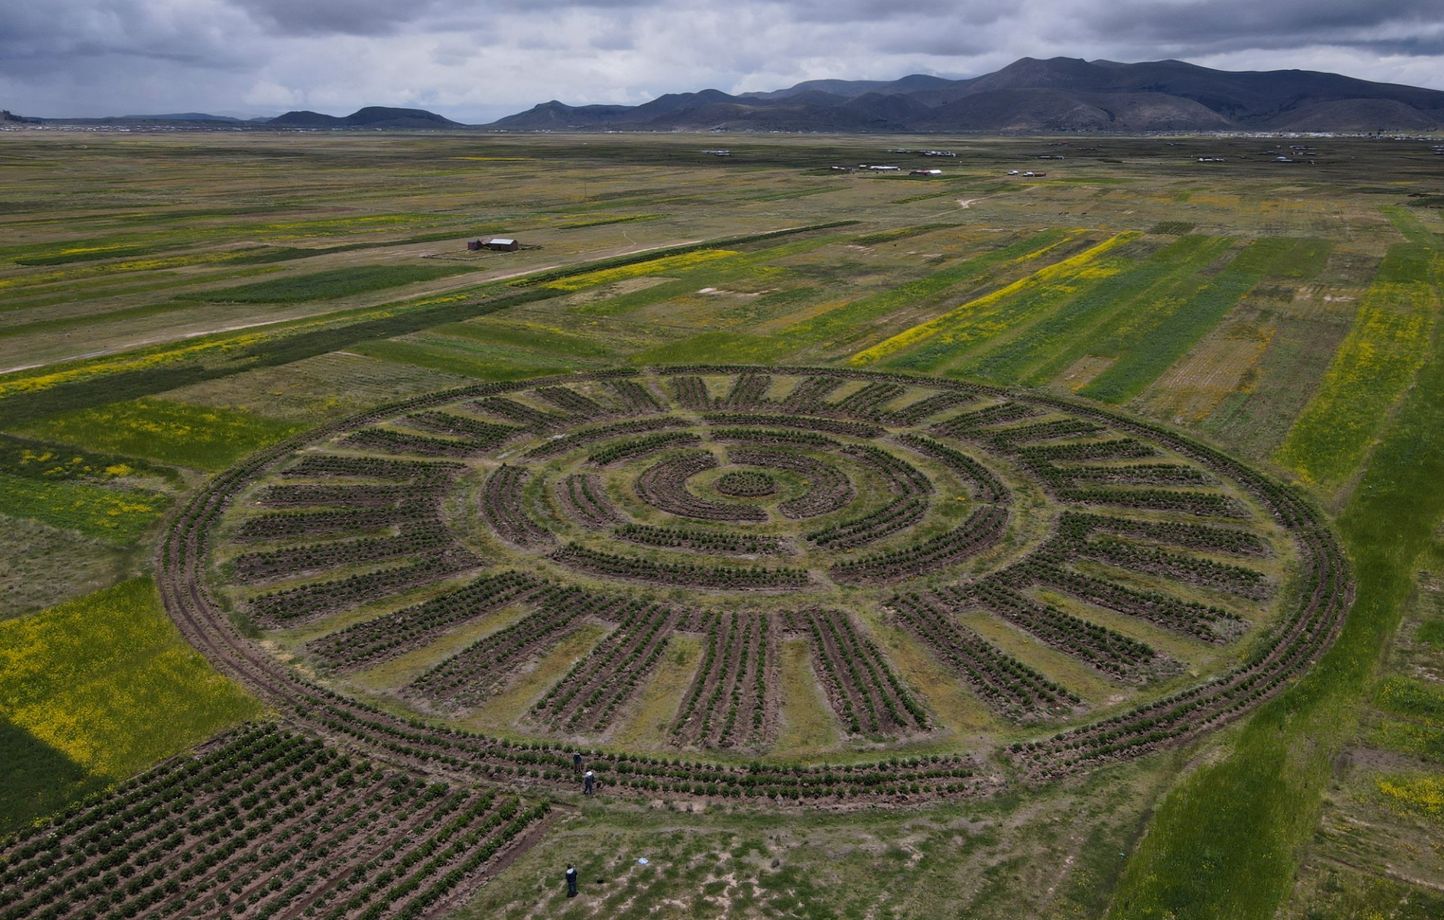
{"type": "Point", "coordinates": [110, 514]}
{"type": "Point", "coordinates": [1373, 851]}
{"type": "Point", "coordinates": [47, 564]}
{"type": "Point", "coordinates": [992, 860]}
{"type": "Point", "coordinates": [172, 304]}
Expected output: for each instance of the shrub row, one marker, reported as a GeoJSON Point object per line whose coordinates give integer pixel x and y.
{"type": "Point", "coordinates": [377, 640]}
{"type": "Point", "coordinates": [556, 446]}
{"type": "Point", "coordinates": [701, 540]}
{"type": "Point", "coordinates": [1003, 682]}
{"type": "Point", "coordinates": [677, 574]}
{"type": "Point", "coordinates": [424, 538]}
{"type": "Point", "coordinates": [504, 508]}
{"type": "Point", "coordinates": [986, 486]}
{"type": "Point", "coordinates": [664, 486]}
{"type": "Point", "coordinates": [632, 448]}
{"type": "Point", "coordinates": [584, 499]}
{"type": "Point", "coordinates": [982, 529]}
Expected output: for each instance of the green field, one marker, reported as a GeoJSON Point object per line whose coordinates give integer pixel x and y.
{"type": "Point", "coordinates": [160, 326]}
{"type": "Point", "coordinates": [166, 432]}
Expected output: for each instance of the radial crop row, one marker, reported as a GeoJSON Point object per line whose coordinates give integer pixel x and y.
{"type": "Point", "coordinates": [732, 701]}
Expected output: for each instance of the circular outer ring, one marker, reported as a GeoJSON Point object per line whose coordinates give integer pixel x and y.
{"type": "Point", "coordinates": [1299, 638]}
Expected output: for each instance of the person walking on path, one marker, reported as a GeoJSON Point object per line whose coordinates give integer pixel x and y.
{"type": "Point", "coordinates": [571, 880]}
{"type": "Point", "coordinates": [589, 783]}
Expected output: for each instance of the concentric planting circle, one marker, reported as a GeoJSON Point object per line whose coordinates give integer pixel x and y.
{"type": "Point", "coordinates": [746, 484]}
{"type": "Point", "coordinates": [698, 560]}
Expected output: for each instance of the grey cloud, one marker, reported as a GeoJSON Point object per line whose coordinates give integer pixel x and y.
{"type": "Point", "coordinates": [116, 39]}
{"type": "Point", "coordinates": [467, 58]}
{"type": "Point", "coordinates": [336, 17]}
{"type": "Point", "coordinates": [1203, 26]}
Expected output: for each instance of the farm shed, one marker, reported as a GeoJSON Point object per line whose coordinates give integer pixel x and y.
{"type": "Point", "coordinates": [496, 244]}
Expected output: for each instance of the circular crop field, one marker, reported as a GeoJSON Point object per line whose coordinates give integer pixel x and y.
{"type": "Point", "coordinates": [730, 581]}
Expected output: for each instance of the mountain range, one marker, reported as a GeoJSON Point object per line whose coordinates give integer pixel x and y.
{"type": "Point", "coordinates": [1027, 96]}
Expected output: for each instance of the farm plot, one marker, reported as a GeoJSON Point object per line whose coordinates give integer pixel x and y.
{"type": "Point", "coordinates": [384, 843]}
{"type": "Point", "coordinates": [1387, 345]}
{"type": "Point", "coordinates": [1012, 308]}
{"type": "Point", "coordinates": [732, 516]}
{"type": "Point", "coordinates": [344, 282]}
{"type": "Point", "coordinates": [112, 514]}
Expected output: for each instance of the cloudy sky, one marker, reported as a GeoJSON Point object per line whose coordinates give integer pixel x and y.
{"type": "Point", "coordinates": [476, 61]}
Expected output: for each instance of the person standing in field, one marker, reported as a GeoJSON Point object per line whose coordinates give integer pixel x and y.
{"type": "Point", "coordinates": [589, 783]}
{"type": "Point", "coordinates": [571, 880]}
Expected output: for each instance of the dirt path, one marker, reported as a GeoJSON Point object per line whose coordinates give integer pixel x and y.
{"type": "Point", "coordinates": [142, 343]}
{"type": "Point", "coordinates": [452, 283]}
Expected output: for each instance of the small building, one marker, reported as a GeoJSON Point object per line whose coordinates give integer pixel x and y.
{"type": "Point", "coordinates": [495, 244]}
{"type": "Point", "coordinates": [1030, 174]}
{"type": "Point", "coordinates": [925, 172]}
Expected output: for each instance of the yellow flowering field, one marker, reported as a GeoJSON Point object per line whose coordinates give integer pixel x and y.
{"type": "Point", "coordinates": [1419, 794]}
{"type": "Point", "coordinates": [139, 360]}
{"type": "Point", "coordinates": [640, 269]}
{"type": "Point", "coordinates": [107, 681]}
{"type": "Point", "coordinates": [986, 315]}
{"type": "Point", "coordinates": [1387, 345]}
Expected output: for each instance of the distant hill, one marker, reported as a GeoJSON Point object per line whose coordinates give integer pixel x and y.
{"type": "Point", "coordinates": [1029, 95]}
{"type": "Point", "coordinates": [372, 116]}
{"type": "Point", "coordinates": [184, 116]}
{"type": "Point", "coordinates": [186, 119]}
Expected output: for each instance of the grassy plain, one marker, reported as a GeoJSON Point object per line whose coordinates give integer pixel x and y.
{"type": "Point", "coordinates": [161, 323]}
